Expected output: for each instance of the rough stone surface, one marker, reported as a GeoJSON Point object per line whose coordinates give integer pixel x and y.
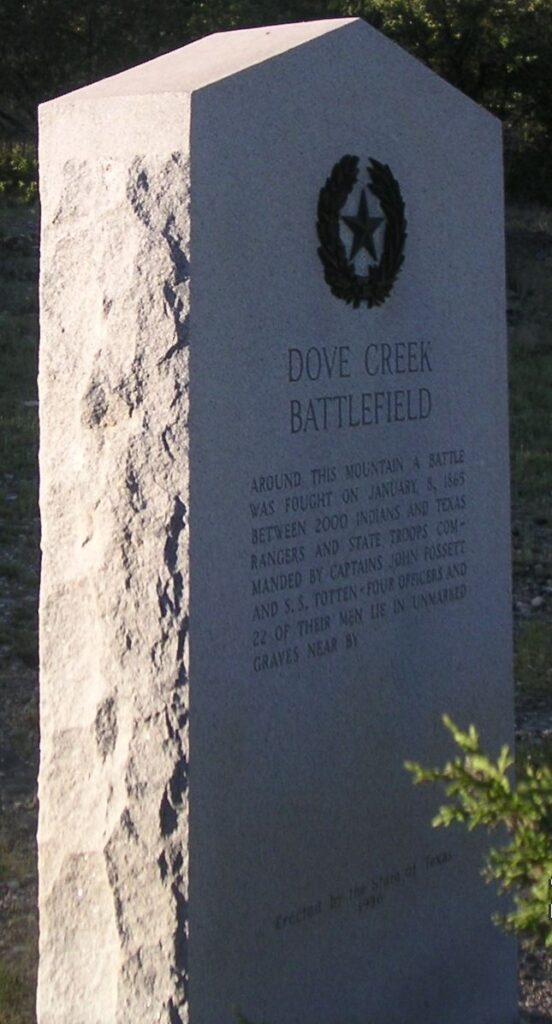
{"type": "Point", "coordinates": [114, 603]}
{"type": "Point", "coordinates": [345, 584]}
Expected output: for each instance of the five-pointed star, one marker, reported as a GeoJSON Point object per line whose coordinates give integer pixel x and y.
{"type": "Point", "coordinates": [363, 227]}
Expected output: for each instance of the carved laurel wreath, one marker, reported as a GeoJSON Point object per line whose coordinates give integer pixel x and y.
{"type": "Point", "coordinates": [339, 271]}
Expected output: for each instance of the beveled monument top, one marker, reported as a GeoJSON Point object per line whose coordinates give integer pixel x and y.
{"type": "Point", "coordinates": [223, 54]}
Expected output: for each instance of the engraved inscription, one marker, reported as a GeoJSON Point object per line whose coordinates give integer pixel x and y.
{"type": "Point", "coordinates": [363, 895]}
{"type": "Point", "coordinates": [325, 365]}
{"type": "Point", "coordinates": [337, 549]}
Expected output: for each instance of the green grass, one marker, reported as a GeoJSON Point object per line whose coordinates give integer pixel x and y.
{"type": "Point", "coordinates": [19, 532]}
{"type": "Point", "coordinates": [18, 355]}
{"type": "Point", "coordinates": [22, 644]}
{"type": "Point", "coordinates": [18, 421]}
{"type": "Point", "coordinates": [11, 571]}
{"type": "Point", "coordinates": [14, 863]}
{"type": "Point", "coordinates": [13, 997]}
{"type": "Point", "coordinates": [531, 426]}
{"type": "Point", "coordinates": [533, 666]}
{"type": "Point", "coordinates": [537, 749]}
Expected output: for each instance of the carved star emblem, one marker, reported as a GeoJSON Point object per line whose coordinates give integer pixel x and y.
{"type": "Point", "coordinates": [363, 227]}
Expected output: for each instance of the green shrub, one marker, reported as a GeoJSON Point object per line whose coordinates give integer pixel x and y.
{"type": "Point", "coordinates": [18, 171]}
{"type": "Point", "coordinates": [482, 795]}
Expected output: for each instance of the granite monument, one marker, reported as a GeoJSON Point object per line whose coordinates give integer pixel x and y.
{"type": "Point", "coordinates": [274, 492]}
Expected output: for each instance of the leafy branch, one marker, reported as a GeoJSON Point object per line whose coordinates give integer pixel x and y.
{"type": "Point", "coordinates": [482, 794]}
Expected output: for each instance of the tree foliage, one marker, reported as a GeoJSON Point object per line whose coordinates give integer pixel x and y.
{"type": "Point", "coordinates": [52, 46]}
{"type": "Point", "coordinates": [496, 51]}
{"type": "Point", "coordinates": [482, 794]}
{"type": "Point", "coordinates": [18, 171]}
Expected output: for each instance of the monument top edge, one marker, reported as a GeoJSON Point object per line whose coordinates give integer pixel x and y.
{"type": "Point", "coordinates": [210, 59]}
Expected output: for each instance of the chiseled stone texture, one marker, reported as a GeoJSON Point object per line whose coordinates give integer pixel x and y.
{"type": "Point", "coordinates": [114, 601]}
